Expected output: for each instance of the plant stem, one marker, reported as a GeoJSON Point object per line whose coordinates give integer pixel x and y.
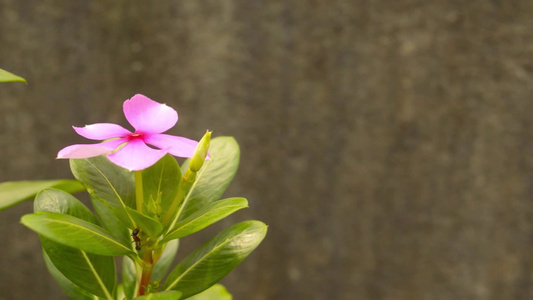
{"type": "Point", "coordinates": [146, 271]}
{"type": "Point", "coordinates": [139, 190]}
{"type": "Point", "coordinates": [171, 216]}
{"type": "Point", "coordinates": [147, 261]}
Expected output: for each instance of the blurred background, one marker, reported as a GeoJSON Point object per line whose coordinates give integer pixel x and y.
{"type": "Point", "coordinates": [387, 144]}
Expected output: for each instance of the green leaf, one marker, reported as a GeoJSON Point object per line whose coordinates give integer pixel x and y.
{"type": "Point", "coordinates": [129, 277]}
{"type": "Point", "coordinates": [109, 182]}
{"type": "Point", "coordinates": [57, 201]}
{"type": "Point", "coordinates": [168, 295]}
{"type": "Point", "coordinates": [215, 176]}
{"type": "Point", "coordinates": [14, 192]}
{"type": "Point", "coordinates": [93, 273]}
{"type": "Point", "coordinates": [216, 258]}
{"type": "Point", "coordinates": [70, 289]}
{"type": "Point", "coordinates": [76, 233]}
{"type": "Point", "coordinates": [119, 293]}
{"type": "Point", "coordinates": [216, 292]}
{"type": "Point", "coordinates": [149, 225]}
{"type": "Point", "coordinates": [163, 265]}
{"type": "Point", "coordinates": [6, 76]}
{"type": "Point", "coordinates": [206, 216]}
{"type": "Point", "coordinates": [160, 185]}
{"type": "Point", "coordinates": [111, 223]}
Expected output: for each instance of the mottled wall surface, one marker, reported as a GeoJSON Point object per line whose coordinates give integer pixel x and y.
{"type": "Point", "coordinates": [388, 144]}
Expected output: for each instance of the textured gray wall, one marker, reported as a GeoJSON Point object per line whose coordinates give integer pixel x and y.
{"type": "Point", "coordinates": [388, 144]}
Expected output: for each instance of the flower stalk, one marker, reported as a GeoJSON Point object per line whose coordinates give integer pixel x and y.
{"type": "Point", "coordinates": [139, 194]}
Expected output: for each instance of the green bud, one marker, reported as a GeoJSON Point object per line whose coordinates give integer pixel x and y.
{"type": "Point", "coordinates": [200, 154]}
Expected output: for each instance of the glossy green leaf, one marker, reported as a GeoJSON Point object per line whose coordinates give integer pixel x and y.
{"type": "Point", "coordinates": [215, 176]}
{"type": "Point", "coordinates": [149, 225]}
{"type": "Point", "coordinates": [216, 258]}
{"type": "Point", "coordinates": [109, 182]}
{"type": "Point", "coordinates": [216, 292]}
{"type": "Point", "coordinates": [57, 201]}
{"type": "Point", "coordinates": [120, 292]}
{"type": "Point", "coordinates": [14, 192]}
{"type": "Point", "coordinates": [76, 233]}
{"type": "Point", "coordinates": [129, 277]}
{"type": "Point", "coordinates": [160, 185]}
{"type": "Point", "coordinates": [163, 265]}
{"type": "Point", "coordinates": [6, 76]}
{"type": "Point", "coordinates": [70, 289]}
{"type": "Point", "coordinates": [167, 295]}
{"type": "Point", "coordinates": [206, 216]}
{"type": "Point", "coordinates": [110, 222]}
{"type": "Point", "coordinates": [91, 272]}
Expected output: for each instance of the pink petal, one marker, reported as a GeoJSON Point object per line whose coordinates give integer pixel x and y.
{"type": "Point", "coordinates": [175, 145]}
{"type": "Point", "coordinates": [102, 131]}
{"type": "Point", "coordinates": [91, 150]}
{"type": "Point", "coordinates": [148, 116]}
{"type": "Point", "coordinates": [136, 156]}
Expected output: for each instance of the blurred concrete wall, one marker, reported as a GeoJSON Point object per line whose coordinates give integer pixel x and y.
{"type": "Point", "coordinates": [388, 144]}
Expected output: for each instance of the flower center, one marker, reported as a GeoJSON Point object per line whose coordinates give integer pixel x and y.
{"type": "Point", "coordinates": [136, 136]}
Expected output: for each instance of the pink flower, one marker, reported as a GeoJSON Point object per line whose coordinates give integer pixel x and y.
{"type": "Point", "coordinates": [130, 150]}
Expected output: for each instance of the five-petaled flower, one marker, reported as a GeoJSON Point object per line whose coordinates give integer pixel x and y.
{"type": "Point", "coordinates": [130, 150]}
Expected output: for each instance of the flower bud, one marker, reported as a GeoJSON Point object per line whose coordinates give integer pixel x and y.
{"type": "Point", "coordinates": [200, 154]}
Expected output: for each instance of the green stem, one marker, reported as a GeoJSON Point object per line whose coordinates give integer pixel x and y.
{"type": "Point", "coordinates": [139, 190]}
{"type": "Point", "coordinates": [186, 183]}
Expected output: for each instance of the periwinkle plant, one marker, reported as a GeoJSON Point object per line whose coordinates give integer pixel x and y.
{"type": "Point", "coordinates": [144, 202]}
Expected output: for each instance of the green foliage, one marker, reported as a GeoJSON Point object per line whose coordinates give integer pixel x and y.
{"type": "Point", "coordinates": [6, 76]}
{"type": "Point", "coordinates": [14, 192]}
{"type": "Point", "coordinates": [107, 182]}
{"type": "Point", "coordinates": [93, 273]}
{"type": "Point", "coordinates": [129, 277]}
{"type": "Point", "coordinates": [110, 221]}
{"type": "Point", "coordinates": [130, 212]}
{"type": "Point", "coordinates": [216, 258]}
{"type": "Point", "coordinates": [71, 290]}
{"type": "Point", "coordinates": [163, 265]}
{"type": "Point", "coordinates": [160, 185]}
{"type": "Point", "coordinates": [74, 232]}
{"type": "Point", "coordinates": [215, 176]}
{"type": "Point", "coordinates": [149, 225]}
{"type": "Point", "coordinates": [167, 295]}
{"type": "Point", "coordinates": [206, 216]}
{"type": "Point", "coordinates": [216, 292]}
